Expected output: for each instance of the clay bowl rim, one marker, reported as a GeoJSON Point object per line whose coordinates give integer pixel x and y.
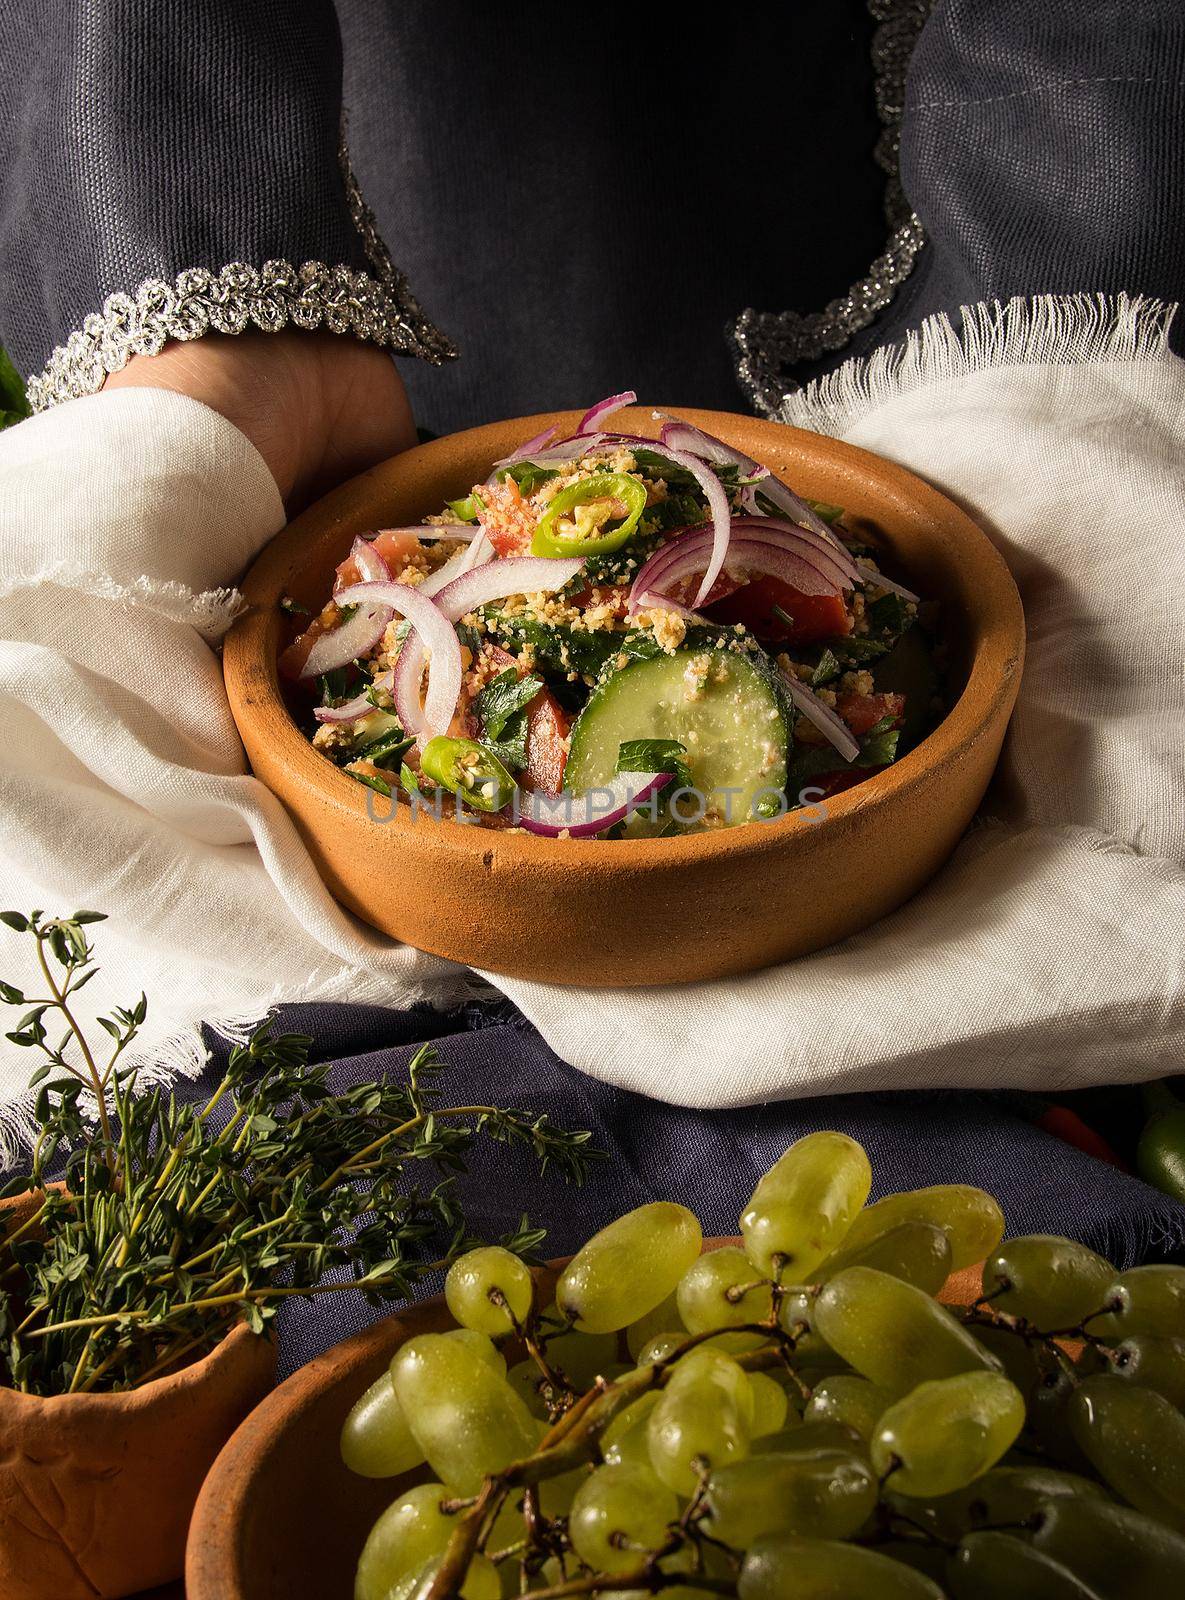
{"type": "Point", "coordinates": [212, 1549]}
{"type": "Point", "coordinates": [191, 1376]}
{"type": "Point", "coordinates": [998, 622]}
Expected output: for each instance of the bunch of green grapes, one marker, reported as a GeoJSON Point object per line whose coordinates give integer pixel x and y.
{"type": "Point", "coordinates": [798, 1418]}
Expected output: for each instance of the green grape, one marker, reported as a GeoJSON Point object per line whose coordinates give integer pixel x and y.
{"type": "Point", "coordinates": [722, 1290]}
{"type": "Point", "coordinates": [821, 1569]}
{"type": "Point", "coordinates": [809, 1436]}
{"type": "Point", "coordinates": [1053, 1283]}
{"type": "Point", "coordinates": [1113, 1548]}
{"type": "Point", "coordinates": [892, 1333]}
{"type": "Point", "coordinates": [482, 1581]}
{"type": "Point", "coordinates": [626, 1441]}
{"type": "Point", "coordinates": [1048, 1421]}
{"type": "Point", "coordinates": [663, 1319]}
{"type": "Point", "coordinates": [796, 1314]}
{"type": "Point", "coordinates": [849, 1399]}
{"type": "Point", "coordinates": [947, 1432]}
{"type": "Point", "coordinates": [489, 1290]}
{"type": "Point", "coordinates": [697, 1424]}
{"type": "Point", "coordinates": [1135, 1440]}
{"type": "Point", "coordinates": [828, 1493]}
{"type": "Point", "coordinates": [628, 1268]}
{"type": "Point", "coordinates": [1003, 1497]}
{"type": "Point", "coordinates": [660, 1348]}
{"type": "Point", "coordinates": [770, 1405]}
{"type": "Point", "coordinates": [919, 1252]}
{"type": "Point", "coordinates": [805, 1204]}
{"type": "Point", "coordinates": [971, 1219]}
{"type": "Point", "coordinates": [707, 1369]}
{"type": "Point", "coordinates": [465, 1416]}
{"type": "Point", "coordinates": [531, 1387]}
{"type": "Point", "coordinates": [409, 1533]}
{"type": "Point", "coordinates": [1019, 1358]}
{"type": "Point", "coordinates": [376, 1441]}
{"type": "Point", "coordinates": [477, 1344]}
{"type": "Point", "coordinates": [1153, 1363]}
{"type": "Point", "coordinates": [1143, 1300]}
{"type": "Point", "coordinates": [997, 1566]}
{"type": "Point", "coordinates": [619, 1512]}
{"type": "Point", "coordinates": [582, 1358]}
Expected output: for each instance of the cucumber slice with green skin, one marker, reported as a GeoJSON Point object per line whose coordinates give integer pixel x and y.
{"type": "Point", "coordinates": [724, 709]}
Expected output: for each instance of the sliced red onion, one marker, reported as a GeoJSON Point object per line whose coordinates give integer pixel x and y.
{"type": "Point", "coordinates": [498, 579]}
{"type": "Point", "coordinates": [651, 601]}
{"type": "Point", "coordinates": [822, 552]}
{"type": "Point", "coordinates": [371, 566]}
{"type": "Point", "coordinates": [493, 580]}
{"type": "Point", "coordinates": [409, 669]}
{"type": "Point", "coordinates": [554, 455]}
{"type": "Point", "coordinates": [354, 637]}
{"type": "Point", "coordinates": [405, 685]}
{"type": "Point", "coordinates": [595, 415]}
{"type": "Point", "coordinates": [360, 706]}
{"type": "Point", "coordinates": [474, 554]}
{"type": "Point", "coordinates": [879, 580]}
{"type": "Point", "coordinates": [777, 551]}
{"type": "Point", "coordinates": [833, 728]}
{"type": "Point", "coordinates": [717, 505]}
{"type": "Point", "coordinates": [438, 636]}
{"type": "Point", "coordinates": [539, 442]}
{"type": "Point", "coordinates": [684, 436]}
{"type": "Point", "coordinates": [581, 815]}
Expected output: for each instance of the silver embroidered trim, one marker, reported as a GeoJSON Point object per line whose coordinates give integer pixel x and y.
{"type": "Point", "coordinates": [433, 345]}
{"type": "Point", "coordinates": [769, 343]}
{"type": "Point", "coordinates": [238, 296]}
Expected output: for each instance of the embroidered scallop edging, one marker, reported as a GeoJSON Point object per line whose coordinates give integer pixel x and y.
{"type": "Point", "coordinates": [231, 300]}
{"type": "Point", "coordinates": [768, 343]}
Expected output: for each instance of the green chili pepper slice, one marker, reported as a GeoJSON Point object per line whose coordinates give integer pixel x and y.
{"type": "Point", "coordinates": [593, 517]}
{"type": "Point", "coordinates": [469, 770]}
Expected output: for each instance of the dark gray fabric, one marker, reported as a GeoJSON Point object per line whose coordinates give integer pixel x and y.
{"type": "Point", "coordinates": [1043, 148]}
{"type": "Point", "coordinates": [138, 137]}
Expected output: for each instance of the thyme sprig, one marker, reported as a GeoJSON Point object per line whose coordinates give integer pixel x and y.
{"type": "Point", "coordinates": [176, 1220]}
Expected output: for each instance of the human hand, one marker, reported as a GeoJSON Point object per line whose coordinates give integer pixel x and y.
{"type": "Point", "coordinates": [319, 407]}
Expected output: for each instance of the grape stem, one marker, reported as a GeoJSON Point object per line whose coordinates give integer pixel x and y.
{"type": "Point", "coordinates": [571, 1440]}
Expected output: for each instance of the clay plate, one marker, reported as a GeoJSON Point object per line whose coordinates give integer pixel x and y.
{"type": "Point", "coordinates": [627, 912]}
{"type": "Point", "coordinates": [280, 1517]}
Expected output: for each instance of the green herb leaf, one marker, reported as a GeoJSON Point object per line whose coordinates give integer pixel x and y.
{"type": "Point", "coordinates": [656, 755]}
{"type": "Point", "coordinates": [502, 697]}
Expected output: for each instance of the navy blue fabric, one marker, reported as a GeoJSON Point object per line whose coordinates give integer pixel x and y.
{"type": "Point", "coordinates": [708, 1161]}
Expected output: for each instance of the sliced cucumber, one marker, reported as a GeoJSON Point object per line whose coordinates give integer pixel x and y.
{"type": "Point", "coordinates": [724, 709]}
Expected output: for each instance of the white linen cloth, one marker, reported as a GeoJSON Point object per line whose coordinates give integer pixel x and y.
{"type": "Point", "coordinates": [1050, 952]}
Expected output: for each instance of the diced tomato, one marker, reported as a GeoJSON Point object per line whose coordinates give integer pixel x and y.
{"type": "Point", "coordinates": [506, 518]}
{"type": "Point", "coordinates": [862, 712]}
{"type": "Point", "coordinates": [396, 546]}
{"type": "Point", "coordinates": [815, 616]}
{"type": "Point", "coordinates": [548, 723]}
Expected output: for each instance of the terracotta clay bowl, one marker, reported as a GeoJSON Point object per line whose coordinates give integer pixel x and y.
{"type": "Point", "coordinates": [280, 1517]}
{"type": "Point", "coordinates": [628, 912]}
{"type": "Point", "coordinates": [96, 1490]}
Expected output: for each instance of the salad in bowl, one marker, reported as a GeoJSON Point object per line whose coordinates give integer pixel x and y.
{"type": "Point", "coordinates": [616, 636]}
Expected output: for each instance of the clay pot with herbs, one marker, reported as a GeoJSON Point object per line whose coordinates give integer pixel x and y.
{"type": "Point", "coordinates": [97, 1489]}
